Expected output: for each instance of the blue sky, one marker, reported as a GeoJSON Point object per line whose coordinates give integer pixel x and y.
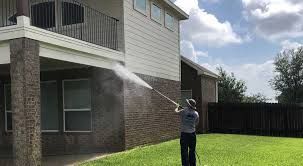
{"type": "Point", "coordinates": [242, 36]}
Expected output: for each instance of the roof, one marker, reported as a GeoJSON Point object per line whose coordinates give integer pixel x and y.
{"type": "Point", "coordinates": [201, 70]}
{"type": "Point", "coordinates": [182, 14]}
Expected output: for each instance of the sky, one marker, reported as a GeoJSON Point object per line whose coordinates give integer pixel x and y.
{"type": "Point", "coordinates": [242, 36]}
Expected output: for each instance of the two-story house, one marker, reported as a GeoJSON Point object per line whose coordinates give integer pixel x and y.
{"type": "Point", "coordinates": [58, 93]}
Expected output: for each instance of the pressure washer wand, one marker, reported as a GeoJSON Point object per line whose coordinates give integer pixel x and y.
{"type": "Point", "coordinates": [178, 105]}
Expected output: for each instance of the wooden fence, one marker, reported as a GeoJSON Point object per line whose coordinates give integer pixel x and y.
{"type": "Point", "coordinates": [256, 119]}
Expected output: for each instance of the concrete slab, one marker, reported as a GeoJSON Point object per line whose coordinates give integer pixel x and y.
{"type": "Point", "coordinates": [64, 160]}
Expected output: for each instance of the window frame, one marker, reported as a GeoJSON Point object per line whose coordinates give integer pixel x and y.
{"type": "Point", "coordinates": [165, 22]}
{"type": "Point", "coordinates": [144, 12]}
{"type": "Point", "coordinates": [5, 109]}
{"type": "Point", "coordinates": [151, 13]}
{"type": "Point", "coordinates": [51, 131]}
{"type": "Point", "coordinates": [76, 110]}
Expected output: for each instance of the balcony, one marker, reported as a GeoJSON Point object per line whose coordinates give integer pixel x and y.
{"type": "Point", "coordinates": [66, 17]}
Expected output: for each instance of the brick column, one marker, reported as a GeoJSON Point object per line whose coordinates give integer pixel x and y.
{"type": "Point", "coordinates": [25, 90]}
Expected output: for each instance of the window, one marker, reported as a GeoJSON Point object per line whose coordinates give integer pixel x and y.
{"type": "Point", "coordinates": [8, 110]}
{"type": "Point", "coordinates": [49, 107]}
{"type": "Point", "coordinates": [77, 105]}
{"type": "Point", "coordinates": [185, 94]}
{"type": "Point", "coordinates": [43, 15]}
{"type": "Point", "coordinates": [156, 13]}
{"type": "Point", "coordinates": [169, 21]}
{"type": "Point", "coordinates": [72, 13]}
{"type": "Point", "coordinates": [140, 5]}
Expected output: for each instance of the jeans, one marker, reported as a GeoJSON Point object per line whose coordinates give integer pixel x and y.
{"type": "Point", "coordinates": [188, 149]}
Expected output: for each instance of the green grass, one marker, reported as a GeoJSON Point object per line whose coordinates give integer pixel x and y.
{"type": "Point", "coordinates": [215, 149]}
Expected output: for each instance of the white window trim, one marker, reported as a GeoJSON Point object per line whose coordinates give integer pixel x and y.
{"type": "Point", "coordinates": [5, 110]}
{"type": "Point", "coordinates": [170, 28]}
{"type": "Point", "coordinates": [144, 12]}
{"type": "Point", "coordinates": [75, 110]}
{"type": "Point", "coordinates": [50, 131]}
{"type": "Point", "coordinates": [151, 15]}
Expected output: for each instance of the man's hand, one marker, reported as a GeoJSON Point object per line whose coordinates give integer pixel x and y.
{"type": "Point", "coordinates": [178, 109]}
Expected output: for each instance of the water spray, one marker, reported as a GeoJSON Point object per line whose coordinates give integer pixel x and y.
{"type": "Point", "coordinates": [125, 74]}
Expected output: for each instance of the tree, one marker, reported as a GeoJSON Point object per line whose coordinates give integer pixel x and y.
{"type": "Point", "coordinates": [289, 76]}
{"type": "Point", "coordinates": [229, 88]}
{"type": "Point", "coordinates": [256, 98]}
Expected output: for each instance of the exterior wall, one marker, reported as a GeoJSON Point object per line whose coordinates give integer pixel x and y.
{"type": "Point", "coordinates": [151, 48]}
{"type": "Point", "coordinates": [148, 117]}
{"type": "Point", "coordinates": [107, 115]}
{"type": "Point", "coordinates": [190, 80]}
{"type": "Point", "coordinates": [209, 94]}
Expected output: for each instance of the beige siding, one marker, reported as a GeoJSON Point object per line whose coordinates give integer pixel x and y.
{"type": "Point", "coordinates": [151, 48]}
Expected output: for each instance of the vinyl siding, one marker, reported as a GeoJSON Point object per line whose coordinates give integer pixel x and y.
{"type": "Point", "coordinates": [151, 48]}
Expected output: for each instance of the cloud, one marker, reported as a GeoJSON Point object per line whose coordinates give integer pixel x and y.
{"type": "Point", "coordinates": [288, 45]}
{"type": "Point", "coordinates": [187, 5]}
{"type": "Point", "coordinates": [275, 19]}
{"type": "Point", "coordinates": [188, 50]}
{"type": "Point", "coordinates": [204, 28]}
{"type": "Point", "coordinates": [256, 76]}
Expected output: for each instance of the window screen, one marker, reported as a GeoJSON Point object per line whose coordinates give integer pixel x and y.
{"type": "Point", "coordinates": [8, 111]}
{"type": "Point", "coordinates": [77, 105]}
{"type": "Point", "coordinates": [169, 21]}
{"type": "Point", "coordinates": [49, 106]}
{"type": "Point", "coordinates": [156, 13]}
{"type": "Point", "coordinates": [140, 5]}
{"type": "Point", "coordinates": [185, 94]}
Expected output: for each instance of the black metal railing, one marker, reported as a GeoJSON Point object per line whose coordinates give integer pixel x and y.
{"type": "Point", "coordinates": [76, 20]}
{"type": "Point", "coordinates": [8, 13]}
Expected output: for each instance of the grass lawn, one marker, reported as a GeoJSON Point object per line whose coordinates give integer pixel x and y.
{"type": "Point", "coordinates": [215, 149]}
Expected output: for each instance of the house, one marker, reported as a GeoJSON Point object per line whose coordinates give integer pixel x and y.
{"type": "Point", "coordinates": [58, 93]}
{"type": "Point", "coordinates": [200, 84]}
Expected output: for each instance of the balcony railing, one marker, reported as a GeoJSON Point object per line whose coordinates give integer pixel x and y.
{"type": "Point", "coordinates": [76, 20]}
{"type": "Point", "coordinates": [66, 17]}
{"type": "Point", "coordinates": [7, 13]}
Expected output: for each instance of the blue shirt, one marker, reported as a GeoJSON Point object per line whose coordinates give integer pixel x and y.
{"type": "Point", "coordinates": [189, 120]}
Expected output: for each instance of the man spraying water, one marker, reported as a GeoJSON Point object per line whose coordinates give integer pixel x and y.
{"type": "Point", "coordinates": [189, 117]}
{"type": "Point", "coordinates": [189, 121]}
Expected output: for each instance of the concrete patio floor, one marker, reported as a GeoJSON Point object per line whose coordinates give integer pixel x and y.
{"type": "Point", "coordinates": [64, 160]}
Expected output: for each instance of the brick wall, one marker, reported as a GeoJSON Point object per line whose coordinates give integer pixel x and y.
{"type": "Point", "coordinates": [146, 117]}
{"type": "Point", "coordinates": [150, 118]}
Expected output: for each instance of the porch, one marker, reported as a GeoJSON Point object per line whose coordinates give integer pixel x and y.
{"type": "Point", "coordinates": [55, 107]}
